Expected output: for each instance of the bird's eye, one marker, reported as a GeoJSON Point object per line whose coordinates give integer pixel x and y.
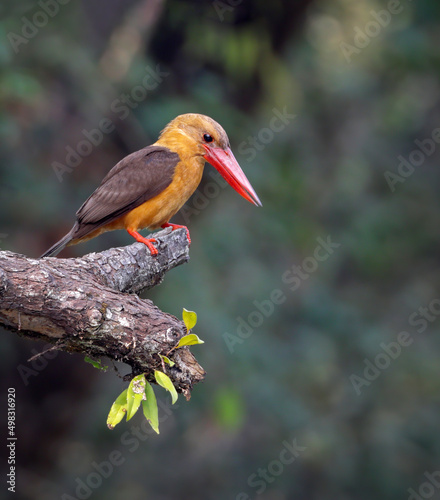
{"type": "Point", "coordinates": [207, 138]}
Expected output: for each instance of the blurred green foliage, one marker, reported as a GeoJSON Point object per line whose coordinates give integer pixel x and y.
{"type": "Point", "coordinates": [320, 175]}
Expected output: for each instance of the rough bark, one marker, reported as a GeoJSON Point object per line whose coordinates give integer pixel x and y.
{"type": "Point", "coordinates": [89, 305]}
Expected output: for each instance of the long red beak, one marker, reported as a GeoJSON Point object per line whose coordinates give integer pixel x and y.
{"type": "Point", "coordinates": [224, 161]}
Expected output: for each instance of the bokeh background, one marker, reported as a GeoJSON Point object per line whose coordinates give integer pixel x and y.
{"type": "Point", "coordinates": [352, 162]}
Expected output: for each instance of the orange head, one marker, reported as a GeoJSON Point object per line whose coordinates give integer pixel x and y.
{"type": "Point", "coordinates": [193, 134]}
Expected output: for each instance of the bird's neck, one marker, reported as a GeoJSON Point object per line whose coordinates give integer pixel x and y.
{"type": "Point", "coordinates": [180, 142]}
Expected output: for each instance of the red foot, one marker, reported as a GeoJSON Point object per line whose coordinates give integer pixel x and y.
{"type": "Point", "coordinates": [177, 226]}
{"type": "Point", "coordinates": [147, 241]}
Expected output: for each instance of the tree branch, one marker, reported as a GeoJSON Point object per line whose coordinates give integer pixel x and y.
{"type": "Point", "coordinates": [89, 305]}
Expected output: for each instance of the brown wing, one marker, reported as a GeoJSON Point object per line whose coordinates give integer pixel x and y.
{"type": "Point", "coordinates": [133, 181]}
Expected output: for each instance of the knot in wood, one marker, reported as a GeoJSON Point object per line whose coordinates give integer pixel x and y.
{"type": "Point", "coordinates": [94, 316]}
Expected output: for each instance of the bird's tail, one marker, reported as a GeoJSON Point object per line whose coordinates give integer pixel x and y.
{"type": "Point", "coordinates": [55, 249]}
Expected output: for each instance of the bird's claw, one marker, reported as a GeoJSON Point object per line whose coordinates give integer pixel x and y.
{"type": "Point", "coordinates": [177, 226]}
{"type": "Point", "coordinates": [146, 241]}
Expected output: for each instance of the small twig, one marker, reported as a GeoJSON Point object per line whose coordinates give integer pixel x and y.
{"type": "Point", "coordinates": [42, 353]}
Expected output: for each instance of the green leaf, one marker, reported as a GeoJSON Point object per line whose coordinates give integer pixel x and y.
{"type": "Point", "coordinates": [165, 381]}
{"type": "Point", "coordinates": [190, 339]}
{"type": "Point", "coordinates": [189, 318]}
{"type": "Point", "coordinates": [149, 406]}
{"type": "Point", "coordinates": [96, 364]}
{"type": "Point", "coordinates": [118, 410]}
{"type": "Point", "coordinates": [167, 360]}
{"type": "Point", "coordinates": [135, 395]}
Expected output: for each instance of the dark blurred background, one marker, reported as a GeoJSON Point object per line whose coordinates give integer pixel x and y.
{"type": "Point", "coordinates": [313, 388]}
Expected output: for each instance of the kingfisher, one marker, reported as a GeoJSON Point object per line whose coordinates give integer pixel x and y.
{"type": "Point", "coordinates": [148, 187]}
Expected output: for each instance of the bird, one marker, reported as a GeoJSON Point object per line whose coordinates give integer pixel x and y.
{"type": "Point", "coordinates": [148, 187]}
